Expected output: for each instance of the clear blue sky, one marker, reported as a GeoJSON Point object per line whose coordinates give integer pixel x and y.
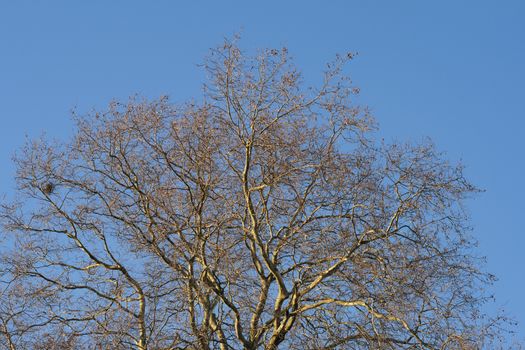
{"type": "Point", "coordinates": [452, 70]}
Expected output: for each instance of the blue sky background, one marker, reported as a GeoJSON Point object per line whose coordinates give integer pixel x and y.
{"type": "Point", "coordinates": [452, 70]}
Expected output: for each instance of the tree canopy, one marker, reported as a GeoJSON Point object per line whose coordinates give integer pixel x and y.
{"type": "Point", "coordinates": [262, 215]}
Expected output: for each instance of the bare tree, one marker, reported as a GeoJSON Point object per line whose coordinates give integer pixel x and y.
{"type": "Point", "coordinates": [263, 216]}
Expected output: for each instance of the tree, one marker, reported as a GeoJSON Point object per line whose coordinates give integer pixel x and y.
{"type": "Point", "coordinates": [264, 216]}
